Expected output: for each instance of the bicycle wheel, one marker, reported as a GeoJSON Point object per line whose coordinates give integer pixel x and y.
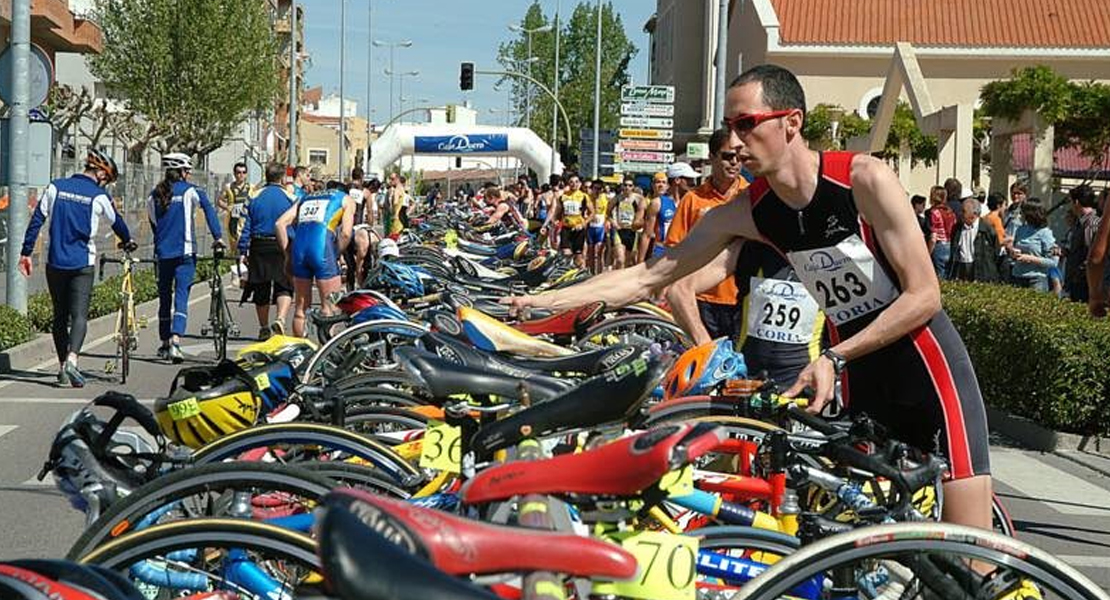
{"type": "Point", "coordinates": [911, 560]}
{"type": "Point", "coordinates": [295, 442]}
{"type": "Point", "coordinates": [123, 348]}
{"type": "Point", "coordinates": [204, 490]}
{"type": "Point", "coordinates": [635, 329]}
{"type": "Point", "coordinates": [358, 476]}
{"type": "Point", "coordinates": [363, 347]}
{"type": "Point", "coordinates": [252, 559]}
{"type": "Point", "coordinates": [385, 423]}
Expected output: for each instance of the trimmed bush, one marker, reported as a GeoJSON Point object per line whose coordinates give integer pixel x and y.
{"type": "Point", "coordinates": [15, 328]}
{"type": "Point", "coordinates": [1035, 356]}
{"type": "Point", "coordinates": [40, 310]}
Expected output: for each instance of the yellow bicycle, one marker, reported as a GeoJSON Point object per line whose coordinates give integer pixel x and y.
{"type": "Point", "coordinates": [127, 322]}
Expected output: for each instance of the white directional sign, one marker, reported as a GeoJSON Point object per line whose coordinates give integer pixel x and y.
{"type": "Point", "coordinates": [647, 134]}
{"type": "Point", "coordinates": [660, 122]}
{"type": "Point", "coordinates": [663, 94]}
{"type": "Point", "coordinates": [640, 167]}
{"type": "Point", "coordinates": [643, 109]}
{"type": "Point", "coordinates": [656, 145]}
{"type": "Point", "coordinates": [637, 156]}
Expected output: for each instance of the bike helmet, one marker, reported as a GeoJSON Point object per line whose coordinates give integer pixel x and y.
{"type": "Point", "coordinates": [98, 160]}
{"type": "Point", "coordinates": [701, 368]}
{"type": "Point", "coordinates": [400, 277]}
{"type": "Point", "coordinates": [355, 301]}
{"type": "Point", "coordinates": [94, 462]}
{"type": "Point", "coordinates": [388, 247]}
{"type": "Point", "coordinates": [206, 403]}
{"type": "Point", "coordinates": [177, 160]}
{"type": "Point", "coordinates": [63, 580]}
{"type": "Point", "coordinates": [378, 313]}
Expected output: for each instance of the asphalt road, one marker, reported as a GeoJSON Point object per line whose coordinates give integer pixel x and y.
{"type": "Point", "coordinates": [1057, 504]}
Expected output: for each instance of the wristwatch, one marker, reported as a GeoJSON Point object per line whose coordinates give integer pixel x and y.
{"type": "Point", "coordinates": [837, 359]}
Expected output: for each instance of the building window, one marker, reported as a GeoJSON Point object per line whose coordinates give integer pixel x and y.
{"type": "Point", "coordinates": [317, 157]}
{"type": "Point", "coordinates": [869, 103]}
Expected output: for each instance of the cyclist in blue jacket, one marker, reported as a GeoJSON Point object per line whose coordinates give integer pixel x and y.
{"type": "Point", "coordinates": [171, 207]}
{"type": "Point", "coordinates": [74, 206]}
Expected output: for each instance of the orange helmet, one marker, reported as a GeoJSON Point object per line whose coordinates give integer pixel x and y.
{"type": "Point", "coordinates": [98, 160]}
{"type": "Point", "coordinates": [701, 368]}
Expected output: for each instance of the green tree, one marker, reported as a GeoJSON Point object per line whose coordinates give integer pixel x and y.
{"type": "Point", "coordinates": [192, 68]}
{"type": "Point", "coordinates": [576, 68]}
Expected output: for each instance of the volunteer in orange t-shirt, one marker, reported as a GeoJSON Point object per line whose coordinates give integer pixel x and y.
{"type": "Point", "coordinates": [716, 308]}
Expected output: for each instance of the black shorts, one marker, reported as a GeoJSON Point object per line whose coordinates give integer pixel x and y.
{"type": "Point", "coordinates": [720, 320]}
{"type": "Point", "coordinates": [627, 237]}
{"type": "Point", "coordinates": [924, 390]}
{"type": "Point", "coordinates": [266, 279]}
{"type": "Point", "coordinates": [573, 240]}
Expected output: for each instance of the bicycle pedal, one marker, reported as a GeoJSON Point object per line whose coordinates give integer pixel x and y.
{"type": "Point", "coordinates": [204, 331]}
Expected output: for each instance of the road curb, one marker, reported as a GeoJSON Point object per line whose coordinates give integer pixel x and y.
{"type": "Point", "coordinates": [1090, 451]}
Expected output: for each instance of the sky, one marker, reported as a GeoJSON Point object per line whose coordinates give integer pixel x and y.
{"type": "Point", "coordinates": [444, 33]}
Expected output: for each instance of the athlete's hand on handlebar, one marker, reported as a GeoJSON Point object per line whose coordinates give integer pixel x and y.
{"type": "Point", "coordinates": [820, 377]}
{"type": "Point", "coordinates": [129, 246]}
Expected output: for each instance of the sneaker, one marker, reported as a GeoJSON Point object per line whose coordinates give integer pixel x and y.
{"type": "Point", "coordinates": [76, 379]}
{"type": "Point", "coordinates": [63, 377]}
{"type": "Point", "coordinates": [175, 354]}
{"type": "Point", "coordinates": [277, 328]}
{"type": "Point", "coordinates": [164, 352]}
{"type": "Point", "coordinates": [263, 334]}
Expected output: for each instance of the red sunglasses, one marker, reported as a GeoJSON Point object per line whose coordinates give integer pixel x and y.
{"type": "Point", "coordinates": [746, 123]}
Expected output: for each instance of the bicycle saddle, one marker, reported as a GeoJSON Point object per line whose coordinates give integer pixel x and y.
{"type": "Point", "coordinates": [347, 546]}
{"type": "Point", "coordinates": [459, 351]}
{"type": "Point", "coordinates": [572, 322]}
{"type": "Point", "coordinates": [625, 467]}
{"type": "Point", "coordinates": [443, 378]}
{"type": "Point", "coordinates": [492, 335]}
{"type": "Point", "coordinates": [460, 546]}
{"type": "Point", "coordinates": [613, 396]}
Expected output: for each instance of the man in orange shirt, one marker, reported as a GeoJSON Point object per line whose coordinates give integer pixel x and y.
{"type": "Point", "coordinates": [715, 311]}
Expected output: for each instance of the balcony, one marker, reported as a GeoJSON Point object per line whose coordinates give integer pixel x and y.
{"type": "Point", "coordinates": [57, 29]}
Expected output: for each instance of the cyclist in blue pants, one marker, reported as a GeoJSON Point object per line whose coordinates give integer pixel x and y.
{"type": "Point", "coordinates": [171, 207]}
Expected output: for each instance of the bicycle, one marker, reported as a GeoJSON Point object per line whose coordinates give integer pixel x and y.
{"type": "Point", "coordinates": [127, 322]}
{"type": "Point", "coordinates": [219, 322]}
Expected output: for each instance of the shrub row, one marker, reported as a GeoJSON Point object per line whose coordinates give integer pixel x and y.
{"type": "Point", "coordinates": [1035, 356]}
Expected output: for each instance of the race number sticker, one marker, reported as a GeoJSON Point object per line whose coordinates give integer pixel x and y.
{"type": "Point", "coordinates": [184, 409]}
{"type": "Point", "coordinates": [262, 380]}
{"type": "Point", "coordinates": [238, 210]}
{"type": "Point", "coordinates": [442, 447]}
{"type": "Point", "coordinates": [572, 208]}
{"type": "Point", "coordinates": [626, 213]}
{"type": "Point", "coordinates": [781, 311]}
{"type": "Point", "coordinates": [668, 567]}
{"type": "Point", "coordinates": [312, 211]}
{"type": "Point", "coordinates": [845, 280]}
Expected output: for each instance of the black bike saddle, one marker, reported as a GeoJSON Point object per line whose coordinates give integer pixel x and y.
{"type": "Point", "coordinates": [443, 378]}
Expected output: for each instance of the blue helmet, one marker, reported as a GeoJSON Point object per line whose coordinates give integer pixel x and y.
{"type": "Point", "coordinates": [377, 313]}
{"type": "Point", "coordinates": [401, 277]}
{"type": "Point", "coordinates": [702, 368]}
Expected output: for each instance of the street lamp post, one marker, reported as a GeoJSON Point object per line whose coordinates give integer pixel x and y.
{"type": "Point", "coordinates": [554, 107]}
{"type": "Point", "coordinates": [342, 77]}
{"type": "Point", "coordinates": [597, 94]}
{"type": "Point", "coordinates": [392, 46]}
{"type": "Point", "coordinates": [528, 94]}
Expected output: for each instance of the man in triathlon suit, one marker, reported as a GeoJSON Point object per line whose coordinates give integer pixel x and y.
{"type": "Point", "coordinates": [505, 210]}
{"type": "Point", "coordinates": [627, 214]}
{"type": "Point", "coordinates": [844, 223]}
{"type": "Point", "coordinates": [322, 225]}
{"type": "Point", "coordinates": [363, 229]}
{"type": "Point", "coordinates": [714, 313]}
{"type": "Point", "coordinates": [599, 224]}
{"type": "Point", "coordinates": [657, 219]}
{"type": "Point", "coordinates": [574, 210]}
{"type": "Point", "coordinates": [234, 199]}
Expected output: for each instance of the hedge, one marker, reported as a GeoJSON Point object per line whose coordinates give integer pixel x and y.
{"type": "Point", "coordinates": [1035, 355]}
{"type": "Point", "coordinates": [15, 328]}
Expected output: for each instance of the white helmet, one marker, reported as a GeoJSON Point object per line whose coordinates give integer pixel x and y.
{"type": "Point", "coordinates": [388, 247]}
{"type": "Point", "coordinates": [177, 160]}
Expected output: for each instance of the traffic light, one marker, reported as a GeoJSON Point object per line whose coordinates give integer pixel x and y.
{"type": "Point", "coordinates": [466, 76]}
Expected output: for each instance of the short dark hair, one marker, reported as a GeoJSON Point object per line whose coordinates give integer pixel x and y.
{"type": "Point", "coordinates": [781, 89]}
{"type": "Point", "coordinates": [555, 180]}
{"type": "Point", "coordinates": [953, 187]}
{"type": "Point", "coordinates": [298, 171]}
{"type": "Point", "coordinates": [1084, 195]}
{"type": "Point", "coordinates": [403, 179]}
{"type": "Point", "coordinates": [373, 184]}
{"type": "Point", "coordinates": [572, 175]}
{"type": "Point", "coordinates": [1032, 210]}
{"type": "Point", "coordinates": [995, 200]}
{"type": "Point", "coordinates": [336, 185]}
{"type": "Point", "coordinates": [917, 199]}
{"type": "Point", "coordinates": [275, 172]}
{"type": "Point", "coordinates": [239, 165]}
{"type": "Point", "coordinates": [1018, 186]}
{"type": "Point", "coordinates": [357, 174]}
{"type": "Point", "coordinates": [718, 140]}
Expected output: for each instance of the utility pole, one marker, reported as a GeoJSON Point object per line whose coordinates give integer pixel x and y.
{"type": "Point", "coordinates": [293, 85]}
{"type": "Point", "coordinates": [555, 107]}
{"type": "Point", "coordinates": [722, 54]}
{"type": "Point", "coordinates": [342, 77]}
{"type": "Point", "coordinates": [18, 142]}
{"type": "Point", "coordinates": [597, 94]}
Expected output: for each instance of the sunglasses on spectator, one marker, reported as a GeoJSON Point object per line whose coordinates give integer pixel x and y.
{"type": "Point", "coordinates": [238, 172]}
{"type": "Point", "coordinates": [727, 156]}
{"type": "Point", "coordinates": [744, 123]}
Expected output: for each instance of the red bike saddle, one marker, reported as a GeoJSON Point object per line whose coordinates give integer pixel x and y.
{"type": "Point", "coordinates": [622, 468]}
{"type": "Point", "coordinates": [570, 322]}
{"type": "Point", "coordinates": [461, 547]}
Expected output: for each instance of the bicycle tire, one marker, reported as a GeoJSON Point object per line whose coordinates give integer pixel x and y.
{"type": "Point", "coordinates": [634, 323]}
{"type": "Point", "coordinates": [121, 553]}
{"type": "Point", "coordinates": [383, 416]}
{"type": "Point", "coordinates": [314, 434]}
{"type": "Point", "coordinates": [314, 367]}
{"type": "Point", "coordinates": [124, 343]}
{"type": "Point", "coordinates": [358, 476]}
{"type": "Point", "coordinates": [122, 514]}
{"type": "Point", "coordinates": [919, 539]}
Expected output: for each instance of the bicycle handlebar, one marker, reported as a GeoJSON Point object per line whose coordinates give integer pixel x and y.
{"type": "Point", "coordinates": [105, 259]}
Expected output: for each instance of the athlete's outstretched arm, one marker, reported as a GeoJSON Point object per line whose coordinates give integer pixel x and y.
{"type": "Point", "coordinates": [623, 287]}
{"type": "Point", "coordinates": [883, 204]}
{"type": "Point", "coordinates": [681, 295]}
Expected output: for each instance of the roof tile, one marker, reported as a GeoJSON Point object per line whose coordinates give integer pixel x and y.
{"type": "Point", "coordinates": [971, 23]}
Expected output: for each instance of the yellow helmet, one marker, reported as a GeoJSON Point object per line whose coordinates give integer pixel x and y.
{"type": "Point", "coordinates": [206, 403]}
